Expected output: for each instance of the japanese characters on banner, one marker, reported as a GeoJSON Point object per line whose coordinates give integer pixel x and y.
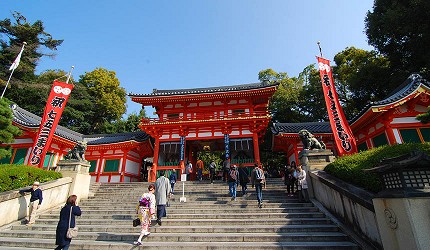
{"type": "Point", "coordinates": [182, 149]}
{"type": "Point", "coordinates": [227, 146]}
{"type": "Point", "coordinates": [54, 108]}
{"type": "Point", "coordinates": [345, 141]}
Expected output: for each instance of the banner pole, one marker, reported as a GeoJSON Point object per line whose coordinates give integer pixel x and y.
{"type": "Point", "coordinates": [320, 48]}
{"type": "Point", "coordinates": [70, 74]}
{"type": "Point", "coordinates": [4, 90]}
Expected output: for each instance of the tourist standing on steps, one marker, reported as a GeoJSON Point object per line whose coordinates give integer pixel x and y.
{"type": "Point", "coordinates": [212, 168]}
{"type": "Point", "coordinates": [302, 184]}
{"type": "Point", "coordinates": [67, 219]}
{"type": "Point", "coordinates": [257, 180]}
{"type": "Point", "coordinates": [162, 193]}
{"type": "Point", "coordinates": [35, 201]}
{"type": "Point", "coordinates": [200, 165]}
{"type": "Point", "coordinates": [189, 170]}
{"type": "Point", "coordinates": [294, 179]}
{"type": "Point", "coordinates": [243, 179]}
{"type": "Point", "coordinates": [289, 172]}
{"type": "Point", "coordinates": [145, 211]}
{"type": "Point", "coordinates": [233, 181]}
{"type": "Point", "coordinates": [172, 179]}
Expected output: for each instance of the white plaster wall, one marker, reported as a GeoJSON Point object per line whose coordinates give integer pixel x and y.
{"type": "Point", "coordinates": [400, 120]}
{"type": "Point", "coordinates": [93, 178]}
{"type": "Point", "coordinates": [103, 179]}
{"type": "Point", "coordinates": [115, 178]}
{"type": "Point", "coordinates": [22, 141]}
{"type": "Point", "coordinates": [132, 167]}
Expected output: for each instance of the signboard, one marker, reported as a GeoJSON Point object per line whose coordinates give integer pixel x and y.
{"type": "Point", "coordinates": [227, 146]}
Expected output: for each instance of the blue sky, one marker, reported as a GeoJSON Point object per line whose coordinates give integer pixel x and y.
{"type": "Point", "coordinates": [193, 43]}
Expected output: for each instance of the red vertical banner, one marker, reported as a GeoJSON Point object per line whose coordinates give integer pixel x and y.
{"type": "Point", "coordinates": [345, 141]}
{"type": "Point", "coordinates": [55, 105]}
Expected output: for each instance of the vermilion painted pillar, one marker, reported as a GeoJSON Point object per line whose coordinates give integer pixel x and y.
{"type": "Point", "coordinates": [152, 174]}
{"type": "Point", "coordinates": [256, 148]}
{"type": "Point", "coordinates": [124, 160]}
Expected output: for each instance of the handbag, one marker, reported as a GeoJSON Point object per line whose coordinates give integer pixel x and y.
{"type": "Point", "coordinates": [136, 222]}
{"type": "Point", "coordinates": [72, 232]}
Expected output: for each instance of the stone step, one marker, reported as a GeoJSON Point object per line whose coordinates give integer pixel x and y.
{"type": "Point", "coordinates": [202, 205]}
{"type": "Point", "coordinates": [177, 222]}
{"type": "Point", "coordinates": [226, 245]}
{"type": "Point", "coordinates": [187, 237]}
{"type": "Point", "coordinates": [181, 210]}
{"type": "Point", "coordinates": [202, 216]}
{"type": "Point", "coordinates": [227, 228]}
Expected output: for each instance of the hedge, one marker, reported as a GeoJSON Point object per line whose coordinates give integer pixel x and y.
{"type": "Point", "coordinates": [350, 168]}
{"type": "Point", "coordinates": [19, 176]}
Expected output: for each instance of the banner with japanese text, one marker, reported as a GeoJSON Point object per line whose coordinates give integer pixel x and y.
{"type": "Point", "coordinates": [55, 105]}
{"type": "Point", "coordinates": [345, 141]}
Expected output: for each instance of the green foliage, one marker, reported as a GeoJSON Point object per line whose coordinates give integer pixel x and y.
{"type": "Point", "coordinates": [108, 97]}
{"type": "Point", "coordinates": [208, 156]}
{"type": "Point", "coordinates": [350, 168]}
{"type": "Point", "coordinates": [12, 37]}
{"type": "Point", "coordinates": [130, 124]}
{"type": "Point", "coordinates": [400, 30]}
{"type": "Point", "coordinates": [362, 76]}
{"type": "Point", "coordinates": [19, 176]}
{"type": "Point", "coordinates": [7, 130]}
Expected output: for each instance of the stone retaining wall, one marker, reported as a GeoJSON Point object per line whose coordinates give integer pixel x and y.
{"type": "Point", "coordinates": [351, 205]}
{"type": "Point", "coordinates": [15, 206]}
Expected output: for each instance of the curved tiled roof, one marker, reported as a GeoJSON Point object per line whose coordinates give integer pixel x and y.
{"type": "Point", "coordinates": [137, 136]}
{"type": "Point", "coordinates": [30, 120]}
{"type": "Point", "coordinates": [313, 127]}
{"type": "Point", "coordinates": [409, 86]}
{"type": "Point", "coordinates": [159, 92]}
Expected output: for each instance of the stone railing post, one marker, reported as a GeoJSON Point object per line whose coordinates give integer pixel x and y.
{"type": "Point", "coordinates": [79, 172]}
{"type": "Point", "coordinates": [314, 159]}
{"type": "Point", "coordinates": [402, 208]}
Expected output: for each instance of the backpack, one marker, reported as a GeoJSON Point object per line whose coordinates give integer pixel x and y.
{"type": "Point", "coordinates": [259, 175]}
{"type": "Point", "coordinates": [233, 174]}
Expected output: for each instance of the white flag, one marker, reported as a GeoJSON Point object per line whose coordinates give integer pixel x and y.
{"type": "Point", "coordinates": [17, 60]}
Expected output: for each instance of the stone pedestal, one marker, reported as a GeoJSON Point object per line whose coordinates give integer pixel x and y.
{"type": "Point", "coordinates": [79, 172]}
{"type": "Point", "coordinates": [315, 159]}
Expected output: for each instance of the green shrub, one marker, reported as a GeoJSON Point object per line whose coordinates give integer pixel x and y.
{"type": "Point", "coordinates": [19, 176]}
{"type": "Point", "coordinates": [350, 168]}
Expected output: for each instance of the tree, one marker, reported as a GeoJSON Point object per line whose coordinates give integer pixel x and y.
{"type": "Point", "coordinates": [400, 30]}
{"type": "Point", "coordinates": [108, 97]}
{"type": "Point", "coordinates": [7, 130]}
{"type": "Point", "coordinates": [312, 102]}
{"type": "Point", "coordinates": [283, 104]}
{"type": "Point", "coordinates": [360, 77]}
{"type": "Point", "coordinates": [13, 35]}
{"type": "Point", "coordinates": [125, 125]}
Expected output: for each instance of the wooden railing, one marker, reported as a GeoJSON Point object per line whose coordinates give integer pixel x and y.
{"type": "Point", "coordinates": [205, 116]}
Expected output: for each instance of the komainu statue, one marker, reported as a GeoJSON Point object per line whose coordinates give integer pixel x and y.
{"type": "Point", "coordinates": [309, 141]}
{"type": "Point", "coordinates": [77, 152]}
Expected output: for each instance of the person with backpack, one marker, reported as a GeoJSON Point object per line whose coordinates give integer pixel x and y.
{"type": "Point", "coordinates": [233, 181]}
{"type": "Point", "coordinates": [189, 170]}
{"type": "Point", "coordinates": [225, 169]}
{"type": "Point", "coordinates": [212, 168]}
{"type": "Point", "coordinates": [172, 179]}
{"type": "Point", "coordinates": [257, 180]}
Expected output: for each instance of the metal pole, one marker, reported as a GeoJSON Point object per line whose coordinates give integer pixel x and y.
{"type": "Point", "coordinates": [320, 48]}
{"type": "Point", "coordinates": [70, 74]}
{"type": "Point", "coordinates": [4, 90]}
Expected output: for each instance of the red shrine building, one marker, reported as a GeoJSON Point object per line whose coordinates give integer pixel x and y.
{"type": "Point", "coordinates": [113, 157]}
{"type": "Point", "coordinates": [389, 121]}
{"type": "Point", "coordinates": [231, 119]}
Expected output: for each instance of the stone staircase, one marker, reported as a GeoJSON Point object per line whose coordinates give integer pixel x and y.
{"type": "Point", "coordinates": [208, 220]}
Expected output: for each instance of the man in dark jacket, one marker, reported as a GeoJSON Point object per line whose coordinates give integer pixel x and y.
{"type": "Point", "coordinates": [35, 201]}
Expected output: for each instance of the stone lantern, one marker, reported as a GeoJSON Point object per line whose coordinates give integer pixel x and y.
{"type": "Point", "coordinates": [403, 208]}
